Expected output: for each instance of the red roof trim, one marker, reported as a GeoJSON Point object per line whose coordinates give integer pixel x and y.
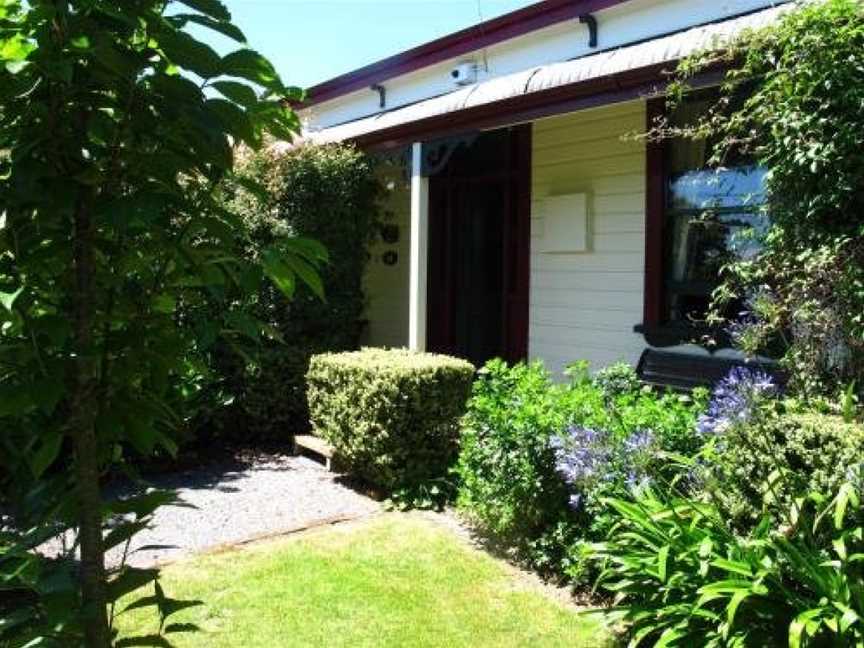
{"type": "Point", "coordinates": [511, 25]}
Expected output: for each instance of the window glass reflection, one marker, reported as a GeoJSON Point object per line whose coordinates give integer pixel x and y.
{"type": "Point", "coordinates": [713, 216]}
{"type": "Point", "coordinates": [701, 189]}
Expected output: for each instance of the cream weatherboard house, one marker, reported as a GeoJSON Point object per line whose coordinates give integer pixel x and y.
{"type": "Point", "coordinates": [522, 221]}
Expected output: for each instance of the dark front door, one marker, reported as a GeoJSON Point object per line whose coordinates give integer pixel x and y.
{"type": "Point", "coordinates": [478, 249]}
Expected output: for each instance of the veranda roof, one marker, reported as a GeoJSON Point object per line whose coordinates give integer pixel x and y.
{"type": "Point", "coordinates": [648, 54]}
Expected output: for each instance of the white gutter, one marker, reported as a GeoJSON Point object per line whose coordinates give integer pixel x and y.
{"type": "Point", "coordinates": [653, 52]}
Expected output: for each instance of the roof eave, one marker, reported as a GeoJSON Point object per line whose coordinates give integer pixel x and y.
{"type": "Point", "coordinates": [511, 25]}
{"type": "Point", "coordinates": [614, 88]}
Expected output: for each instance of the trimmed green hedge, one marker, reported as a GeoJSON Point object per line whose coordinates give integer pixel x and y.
{"type": "Point", "coordinates": [392, 416]}
{"type": "Point", "coordinates": [815, 453]}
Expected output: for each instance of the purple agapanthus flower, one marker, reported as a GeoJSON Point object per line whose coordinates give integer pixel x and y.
{"type": "Point", "coordinates": [639, 442]}
{"type": "Point", "coordinates": [581, 454]}
{"type": "Point", "coordinates": [636, 453]}
{"type": "Point", "coordinates": [582, 457]}
{"type": "Point", "coordinates": [637, 480]}
{"type": "Point", "coordinates": [748, 317]}
{"type": "Point", "coordinates": [587, 459]}
{"type": "Point", "coordinates": [735, 398]}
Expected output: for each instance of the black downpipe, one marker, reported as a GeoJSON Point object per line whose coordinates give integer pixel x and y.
{"type": "Point", "coordinates": [591, 22]}
{"type": "Point", "coordinates": [382, 94]}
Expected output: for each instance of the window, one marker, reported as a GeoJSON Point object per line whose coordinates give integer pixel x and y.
{"type": "Point", "coordinates": [697, 219]}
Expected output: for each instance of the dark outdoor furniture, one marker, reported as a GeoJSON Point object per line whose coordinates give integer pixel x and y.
{"type": "Point", "coordinates": [688, 370]}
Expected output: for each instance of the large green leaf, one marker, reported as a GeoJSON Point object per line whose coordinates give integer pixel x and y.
{"type": "Point", "coordinates": [7, 299]}
{"type": "Point", "coordinates": [279, 272]}
{"type": "Point", "coordinates": [234, 120]}
{"type": "Point", "coordinates": [850, 617]}
{"type": "Point", "coordinates": [732, 609]}
{"type": "Point", "coordinates": [847, 495]}
{"type": "Point", "coordinates": [736, 567]}
{"type": "Point", "coordinates": [178, 90]}
{"type": "Point", "coordinates": [128, 580]}
{"type": "Point", "coordinates": [806, 623]}
{"type": "Point", "coordinates": [252, 66]}
{"type": "Point", "coordinates": [663, 563]}
{"type": "Point", "coordinates": [225, 28]}
{"type": "Point", "coordinates": [308, 275]}
{"type": "Point", "coordinates": [185, 51]}
{"type": "Point", "coordinates": [213, 8]}
{"type": "Point", "coordinates": [239, 93]}
{"type": "Point", "coordinates": [49, 450]}
{"type": "Point", "coordinates": [116, 59]}
{"type": "Point", "coordinates": [15, 49]}
{"type": "Point", "coordinates": [728, 586]}
{"type": "Point", "coordinates": [311, 249]}
{"type": "Point", "coordinates": [669, 637]}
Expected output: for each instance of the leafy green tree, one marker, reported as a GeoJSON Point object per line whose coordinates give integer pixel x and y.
{"type": "Point", "coordinates": [116, 124]}
{"type": "Point", "coordinates": [329, 192]}
{"type": "Point", "coordinates": [792, 100]}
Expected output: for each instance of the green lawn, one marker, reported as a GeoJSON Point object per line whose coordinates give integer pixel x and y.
{"type": "Point", "coordinates": [396, 580]}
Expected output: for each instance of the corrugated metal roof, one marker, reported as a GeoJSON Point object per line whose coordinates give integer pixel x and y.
{"type": "Point", "coordinates": [632, 57]}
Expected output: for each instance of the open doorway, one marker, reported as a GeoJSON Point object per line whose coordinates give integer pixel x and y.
{"type": "Point", "coordinates": [479, 237]}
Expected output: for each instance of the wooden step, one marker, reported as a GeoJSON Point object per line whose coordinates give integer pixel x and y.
{"type": "Point", "coordinates": [315, 445]}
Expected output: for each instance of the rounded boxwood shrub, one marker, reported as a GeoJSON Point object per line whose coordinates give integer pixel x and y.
{"type": "Point", "coordinates": [759, 467]}
{"type": "Point", "coordinates": [391, 415]}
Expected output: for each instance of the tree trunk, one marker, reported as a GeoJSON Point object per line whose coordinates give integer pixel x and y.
{"type": "Point", "coordinates": [83, 432]}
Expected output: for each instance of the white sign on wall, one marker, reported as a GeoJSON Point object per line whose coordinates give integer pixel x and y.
{"type": "Point", "coordinates": [565, 223]}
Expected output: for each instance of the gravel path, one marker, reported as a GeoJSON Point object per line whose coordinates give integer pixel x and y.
{"type": "Point", "coordinates": [240, 502]}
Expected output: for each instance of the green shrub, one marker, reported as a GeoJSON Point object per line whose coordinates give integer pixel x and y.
{"type": "Point", "coordinates": [681, 577]}
{"type": "Point", "coordinates": [615, 401]}
{"type": "Point", "coordinates": [536, 456]}
{"type": "Point", "coordinates": [329, 193]}
{"type": "Point", "coordinates": [813, 452]}
{"type": "Point", "coordinates": [392, 416]}
{"type": "Point", "coordinates": [508, 483]}
{"type": "Point", "coordinates": [616, 379]}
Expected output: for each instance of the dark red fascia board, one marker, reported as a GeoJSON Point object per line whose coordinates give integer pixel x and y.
{"type": "Point", "coordinates": [613, 88]}
{"type": "Point", "coordinates": [511, 25]}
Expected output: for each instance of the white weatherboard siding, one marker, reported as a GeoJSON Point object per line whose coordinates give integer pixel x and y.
{"type": "Point", "coordinates": [387, 286]}
{"type": "Point", "coordinates": [583, 305]}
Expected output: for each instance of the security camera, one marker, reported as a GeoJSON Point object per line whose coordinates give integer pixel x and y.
{"type": "Point", "coordinates": [465, 73]}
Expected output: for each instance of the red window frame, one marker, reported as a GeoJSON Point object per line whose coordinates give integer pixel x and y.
{"type": "Point", "coordinates": [655, 216]}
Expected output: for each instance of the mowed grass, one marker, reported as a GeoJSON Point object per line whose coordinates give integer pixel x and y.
{"type": "Point", "coordinates": [395, 580]}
